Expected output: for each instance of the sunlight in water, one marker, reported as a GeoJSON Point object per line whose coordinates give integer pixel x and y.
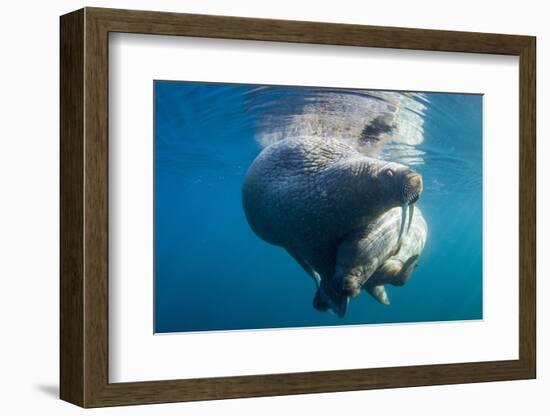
{"type": "Point", "coordinates": [370, 121]}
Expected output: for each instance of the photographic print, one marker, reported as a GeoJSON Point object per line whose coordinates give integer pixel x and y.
{"type": "Point", "coordinates": [304, 206]}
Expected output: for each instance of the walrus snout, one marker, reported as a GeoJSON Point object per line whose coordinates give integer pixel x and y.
{"type": "Point", "coordinates": [400, 183]}
{"type": "Point", "coordinates": [412, 187]}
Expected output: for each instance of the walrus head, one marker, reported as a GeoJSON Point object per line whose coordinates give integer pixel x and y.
{"type": "Point", "coordinates": [399, 183]}
{"type": "Point", "coordinates": [400, 186]}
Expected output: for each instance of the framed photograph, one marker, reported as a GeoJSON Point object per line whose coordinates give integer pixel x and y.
{"type": "Point", "coordinates": [255, 207]}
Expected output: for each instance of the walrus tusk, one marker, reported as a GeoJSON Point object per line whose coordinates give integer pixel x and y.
{"type": "Point", "coordinates": [407, 212]}
{"type": "Point", "coordinates": [404, 210]}
{"type": "Point", "coordinates": [411, 212]}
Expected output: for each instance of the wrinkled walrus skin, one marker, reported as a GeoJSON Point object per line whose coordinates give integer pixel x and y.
{"type": "Point", "coordinates": [377, 254]}
{"type": "Point", "coordinates": [306, 194]}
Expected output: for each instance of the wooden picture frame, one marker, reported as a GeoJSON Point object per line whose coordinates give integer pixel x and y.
{"type": "Point", "coordinates": [84, 207]}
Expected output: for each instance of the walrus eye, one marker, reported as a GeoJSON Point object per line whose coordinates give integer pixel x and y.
{"type": "Point", "coordinates": [389, 173]}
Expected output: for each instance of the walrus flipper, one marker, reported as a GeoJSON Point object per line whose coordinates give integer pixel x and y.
{"type": "Point", "coordinates": [307, 268]}
{"type": "Point", "coordinates": [378, 292]}
{"type": "Point", "coordinates": [328, 300]}
{"type": "Point", "coordinates": [325, 299]}
{"type": "Point", "coordinates": [395, 272]}
{"type": "Point", "coordinates": [319, 301]}
{"type": "Point", "coordinates": [406, 270]}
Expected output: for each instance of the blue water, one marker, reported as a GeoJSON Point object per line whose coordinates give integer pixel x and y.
{"type": "Point", "coordinates": [213, 273]}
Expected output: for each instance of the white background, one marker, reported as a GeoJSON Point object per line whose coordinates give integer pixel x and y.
{"type": "Point", "coordinates": [297, 350]}
{"type": "Point", "coordinates": [29, 209]}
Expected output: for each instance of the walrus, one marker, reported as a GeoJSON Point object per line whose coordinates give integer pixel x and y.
{"type": "Point", "coordinates": [386, 251]}
{"type": "Point", "coordinates": [306, 194]}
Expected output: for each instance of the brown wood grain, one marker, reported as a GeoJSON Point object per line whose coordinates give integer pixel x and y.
{"type": "Point", "coordinates": [84, 207]}
{"type": "Point", "coordinates": [72, 215]}
{"type": "Point", "coordinates": [527, 207]}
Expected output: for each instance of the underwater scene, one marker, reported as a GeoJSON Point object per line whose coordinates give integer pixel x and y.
{"type": "Point", "coordinates": [291, 206]}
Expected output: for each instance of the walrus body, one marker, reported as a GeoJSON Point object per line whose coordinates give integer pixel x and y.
{"type": "Point", "coordinates": [306, 194]}
{"type": "Point", "coordinates": [384, 252]}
